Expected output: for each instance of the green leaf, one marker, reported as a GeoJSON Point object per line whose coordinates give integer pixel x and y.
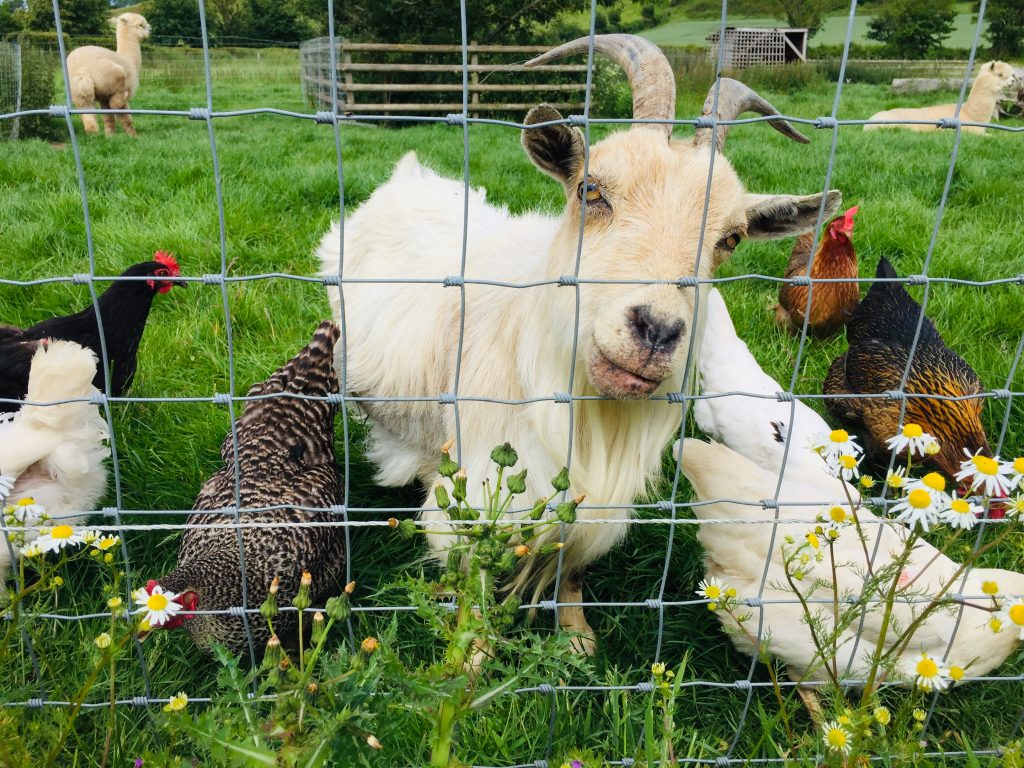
{"type": "Point", "coordinates": [318, 756]}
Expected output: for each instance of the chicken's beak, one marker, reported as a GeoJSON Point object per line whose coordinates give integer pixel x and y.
{"type": "Point", "coordinates": [180, 283]}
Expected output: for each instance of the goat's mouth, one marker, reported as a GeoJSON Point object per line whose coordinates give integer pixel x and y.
{"type": "Point", "coordinates": [615, 381]}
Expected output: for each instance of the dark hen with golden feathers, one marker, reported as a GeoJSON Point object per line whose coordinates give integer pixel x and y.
{"type": "Point", "coordinates": [285, 457]}
{"type": "Point", "coordinates": [880, 334]}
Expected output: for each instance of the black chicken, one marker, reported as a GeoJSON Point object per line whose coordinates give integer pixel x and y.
{"type": "Point", "coordinates": [285, 457]}
{"type": "Point", "coordinates": [124, 308]}
{"type": "Point", "coordinates": [879, 335]}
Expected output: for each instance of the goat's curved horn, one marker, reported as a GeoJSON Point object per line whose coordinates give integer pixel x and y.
{"type": "Point", "coordinates": [734, 98]}
{"type": "Point", "coordinates": [650, 75]}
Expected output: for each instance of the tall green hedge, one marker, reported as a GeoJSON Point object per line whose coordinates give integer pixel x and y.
{"type": "Point", "coordinates": [40, 65]}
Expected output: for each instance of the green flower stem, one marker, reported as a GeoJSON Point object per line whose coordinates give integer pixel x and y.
{"type": "Point", "coordinates": [809, 618]}
{"type": "Point", "coordinates": [835, 608]}
{"type": "Point", "coordinates": [860, 531]}
{"type": "Point", "coordinates": [443, 735]}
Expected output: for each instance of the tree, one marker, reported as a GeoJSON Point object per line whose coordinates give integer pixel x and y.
{"type": "Point", "coordinates": [913, 29]}
{"type": "Point", "coordinates": [175, 19]}
{"type": "Point", "coordinates": [1005, 33]}
{"type": "Point", "coordinates": [804, 13]}
{"type": "Point", "coordinates": [8, 21]}
{"type": "Point", "coordinates": [77, 17]}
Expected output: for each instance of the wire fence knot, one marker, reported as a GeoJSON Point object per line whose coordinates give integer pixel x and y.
{"type": "Point", "coordinates": [326, 118]}
{"type": "Point", "coordinates": [688, 281]}
{"type": "Point", "coordinates": [221, 398]}
{"type": "Point", "coordinates": [916, 279]}
{"type": "Point", "coordinates": [140, 701]}
{"type": "Point", "coordinates": [338, 509]}
{"type": "Point", "coordinates": [705, 122]}
{"type": "Point", "coordinates": [957, 597]}
{"type": "Point", "coordinates": [676, 397]}
{"type": "Point", "coordinates": [331, 280]}
{"type": "Point", "coordinates": [58, 110]}
{"type": "Point", "coordinates": [753, 602]}
{"type": "Point", "coordinates": [578, 120]}
{"type": "Point", "coordinates": [800, 280]}
{"type": "Point", "coordinates": [895, 394]}
{"type": "Point", "coordinates": [769, 503]}
{"type": "Point", "coordinates": [949, 122]}
{"type": "Point", "coordinates": [454, 281]}
{"type": "Point", "coordinates": [628, 761]}
{"type": "Point", "coordinates": [237, 611]}
{"type": "Point", "coordinates": [109, 512]}
{"type": "Point", "coordinates": [653, 602]}
{"type": "Point", "coordinates": [34, 703]}
{"type": "Point", "coordinates": [97, 398]}
{"type": "Point", "coordinates": [565, 280]}
{"type": "Point", "coordinates": [1001, 394]}
{"type": "Point", "coordinates": [541, 763]}
{"type": "Point", "coordinates": [665, 505]}
{"type": "Point", "coordinates": [784, 397]}
{"type": "Point", "coordinates": [547, 605]}
{"type": "Point", "coordinates": [743, 685]}
{"type": "Point", "coordinates": [563, 397]}
{"type": "Point", "coordinates": [199, 113]}
{"type": "Point", "coordinates": [723, 762]}
{"type": "Point", "coordinates": [644, 687]}
{"type": "Point", "coordinates": [446, 398]}
{"type": "Point", "coordinates": [826, 122]}
{"type": "Point", "coordinates": [879, 501]}
{"type": "Point", "coordinates": [80, 279]}
{"type": "Point", "coordinates": [213, 279]}
{"type": "Point", "coordinates": [455, 118]}
{"type": "Point", "coordinates": [336, 398]}
{"type": "Point", "coordinates": [547, 688]}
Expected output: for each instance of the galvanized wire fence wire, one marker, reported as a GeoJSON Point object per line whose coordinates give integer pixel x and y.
{"type": "Point", "coordinates": [677, 401]}
{"type": "Point", "coordinates": [10, 86]}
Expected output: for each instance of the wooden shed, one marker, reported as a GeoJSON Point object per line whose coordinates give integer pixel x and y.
{"type": "Point", "coordinates": [746, 46]}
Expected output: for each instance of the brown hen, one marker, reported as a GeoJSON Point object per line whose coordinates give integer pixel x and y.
{"type": "Point", "coordinates": [880, 334]}
{"type": "Point", "coordinates": [831, 303]}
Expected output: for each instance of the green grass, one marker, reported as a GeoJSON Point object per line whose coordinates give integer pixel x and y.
{"type": "Point", "coordinates": [280, 194]}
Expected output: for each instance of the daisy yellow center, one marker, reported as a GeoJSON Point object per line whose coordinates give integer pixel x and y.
{"type": "Point", "coordinates": [927, 668]}
{"type": "Point", "coordinates": [985, 465]}
{"type": "Point", "coordinates": [912, 430]}
{"type": "Point", "coordinates": [1018, 465]}
{"type": "Point", "coordinates": [1016, 614]}
{"type": "Point", "coordinates": [935, 481]}
{"type": "Point", "coordinates": [812, 540]}
{"type": "Point", "coordinates": [26, 502]}
{"type": "Point", "coordinates": [995, 624]}
{"type": "Point", "coordinates": [156, 602]}
{"type": "Point", "coordinates": [838, 514]}
{"type": "Point", "coordinates": [839, 436]}
{"type": "Point", "coordinates": [61, 532]}
{"type": "Point", "coordinates": [919, 499]}
{"type": "Point", "coordinates": [960, 506]}
{"type": "Point", "coordinates": [713, 591]}
{"type": "Point", "coordinates": [849, 462]}
{"type": "Point", "coordinates": [836, 738]}
{"type": "Point", "coordinates": [990, 587]}
{"type": "Point", "coordinates": [956, 673]}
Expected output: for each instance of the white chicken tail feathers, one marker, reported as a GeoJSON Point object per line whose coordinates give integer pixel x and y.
{"type": "Point", "coordinates": [713, 468]}
{"type": "Point", "coordinates": [60, 370]}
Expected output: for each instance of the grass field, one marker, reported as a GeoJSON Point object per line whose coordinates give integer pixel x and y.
{"type": "Point", "coordinates": [280, 194]}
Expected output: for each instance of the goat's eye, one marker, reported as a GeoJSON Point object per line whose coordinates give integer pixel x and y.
{"type": "Point", "coordinates": [729, 242]}
{"type": "Point", "coordinates": [589, 190]}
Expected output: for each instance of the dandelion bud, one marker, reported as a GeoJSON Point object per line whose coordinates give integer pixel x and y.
{"type": "Point", "coordinates": [302, 600]}
{"type": "Point", "coordinates": [932, 448]}
{"type": "Point", "coordinates": [312, 688]}
{"type": "Point", "coordinates": [319, 627]}
{"type": "Point", "coordinates": [538, 509]}
{"type": "Point", "coordinates": [369, 644]}
{"type": "Point", "coordinates": [882, 715]}
{"type": "Point", "coordinates": [560, 482]}
{"type": "Point", "coordinates": [269, 608]}
{"type": "Point", "coordinates": [273, 653]}
{"type": "Point", "coordinates": [448, 467]}
{"type": "Point", "coordinates": [522, 550]}
{"type": "Point", "coordinates": [550, 548]}
{"type": "Point", "coordinates": [566, 511]}
{"type": "Point", "coordinates": [350, 588]}
{"type": "Point", "coordinates": [504, 455]}
{"type": "Point", "coordinates": [516, 483]}
{"type": "Point", "coordinates": [407, 528]}
{"type": "Point", "coordinates": [441, 496]}
{"type": "Point", "coordinates": [459, 485]}
{"type": "Point", "coordinates": [108, 558]}
{"type": "Point", "coordinates": [338, 608]}
{"type": "Point", "coordinates": [658, 669]}
{"type": "Point", "coordinates": [373, 742]}
{"type": "Point", "coordinates": [392, 522]}
{"type": "Point", "coordinates": [103, 640]}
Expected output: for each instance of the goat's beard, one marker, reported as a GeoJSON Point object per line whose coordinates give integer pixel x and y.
{"type": "Point", "coordinates": [613, 380]}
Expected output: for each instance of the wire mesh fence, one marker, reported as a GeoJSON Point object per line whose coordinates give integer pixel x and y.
{"type": "Point", "coordinates": [10, 84]}
{"type": "Point", "coordinates": [672, 405]}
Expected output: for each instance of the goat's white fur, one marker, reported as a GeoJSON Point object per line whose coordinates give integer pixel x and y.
{"type": "Point", "coordinates": [98, 74]}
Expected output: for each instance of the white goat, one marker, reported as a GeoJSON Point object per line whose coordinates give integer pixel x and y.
{"type": "Point", "coordinates": [97, 74]}
{"type": "Point", "coordinates": [644, 197]}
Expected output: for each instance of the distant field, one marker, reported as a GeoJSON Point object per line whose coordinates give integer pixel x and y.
{"type": "Point", "coordinates": [695, 32]}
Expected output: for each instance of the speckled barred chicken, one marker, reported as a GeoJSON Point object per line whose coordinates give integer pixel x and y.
{"type": "Point", "coordinates": [286, 457]}
{"type": "Point", "coordinates": [880, 334]}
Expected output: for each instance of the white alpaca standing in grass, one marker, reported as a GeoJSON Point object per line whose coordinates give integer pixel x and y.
{"type": "Point", "coordinates": [101, 75]}
{"type": "Point", "coordinates": [979, 107]}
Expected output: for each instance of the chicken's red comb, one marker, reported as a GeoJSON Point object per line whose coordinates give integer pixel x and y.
{"type": "Point", "coordinates": [848, 217]}
{"type": "Point", "coordinates": [168, 260]}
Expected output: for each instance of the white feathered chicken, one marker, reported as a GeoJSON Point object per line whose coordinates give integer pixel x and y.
{"type": "Point", "coordinates": [55, 453]}
{"type": "Point", "coordinates": [753, 426]}
{"type": "Point", "coordinates": [736, 554]}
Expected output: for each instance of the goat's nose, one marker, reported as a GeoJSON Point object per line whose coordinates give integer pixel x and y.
{"type": "Point", "coordinates": [655, 333]}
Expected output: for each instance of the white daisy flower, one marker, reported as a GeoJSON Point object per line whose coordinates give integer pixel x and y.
{"type": "Point", "coordinates": [1014, 506]}
{"type": "Point", "coordinates": [987, 475]}
{"type": "Point", "coordinates": [27, 511]}
{"type": "Point", "coordinates": [844, 465]}
{"type": "Point", "coordinates": [837, 738]}
{"type": "Point", "coordinates": [917, 508]}
{"type": "Point", "coordinates": [31, 550]}
{"type": "Point", "coordinates": [6, 484]}
{"type": "Point", "coordinates": [935, 484]}
{"type": "Point", "coordinates": [1012, 616]}
{"type": "Point", "coordinates": [712, 589]}
{"type": "Point", "coordinates": [930, 676]}
{"type": "Point", "coordinates": [104, 543]}
{"type": "Point", "coordinates": [961, 513]}
{"type": "Point", "coordinates": [158, 605]}
{"type": "Point", "coordinates": [911, 438]}
{"type": "Point", "coordinates": [835, 443]}
{"type": "Point", "coordinates": [1016, 472]}
{"type": "Point", "coordinates": [897, 479]}
{"type": "Point", "coordinates": [56, 538]}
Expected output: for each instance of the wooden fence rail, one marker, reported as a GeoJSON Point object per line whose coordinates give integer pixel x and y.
{"type": "Point", "coordinates": [412, 77]}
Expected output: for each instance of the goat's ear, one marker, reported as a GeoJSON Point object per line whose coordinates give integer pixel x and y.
{"type": "Point", "coordinates": [774, 216]}
{"type": "Point", "coordinates": [555, 149]}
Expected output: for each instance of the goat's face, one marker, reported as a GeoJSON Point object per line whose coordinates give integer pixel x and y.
{"type": "Point", "coordinates": [644, 196]}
